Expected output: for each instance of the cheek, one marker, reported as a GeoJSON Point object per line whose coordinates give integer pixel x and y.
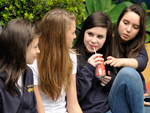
{"type": "Point", "coordinates": [120, 28]}
{"type": "Point", "coordinates": [86, 38]}
{"type": "Point", "coordinates": [135, 33]}
{"type": "Point", "coordinates": [101, 43]}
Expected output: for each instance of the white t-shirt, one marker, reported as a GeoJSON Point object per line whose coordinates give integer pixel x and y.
{"type": "Point", "coordinates": [49, 105]}
{"type": "Point", "coordinates": [20, 84]}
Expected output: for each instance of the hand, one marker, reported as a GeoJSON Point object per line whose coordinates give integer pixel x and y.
{"type": "Point", "coordinates": [115, 62]}
{"type": "Point", "coordinates": [105, 79]}
{"type": "Point", "coordinates": [95, 60]}
{"type": "Point", "coordinates": [146, 103]}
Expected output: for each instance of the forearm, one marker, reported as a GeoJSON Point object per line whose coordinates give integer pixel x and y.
{"type": "Point", "coordinates": [129, 62]}
{"type": "Point", "coordinates": [40, 107]}
{"type": "Point", "coordinates": [84, 80]}
{"type": "Point", "coordinates": [72, 102]}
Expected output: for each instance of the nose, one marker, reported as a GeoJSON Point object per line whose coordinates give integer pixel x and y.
{"type": "Point", "coordinates": [38, 50]}
{"type": "Point", "coordinates": [129, 28]}
{"type": "Point", "coordinates": [74, 36]}
{"type": "Point", "coordinates": [94, 39]}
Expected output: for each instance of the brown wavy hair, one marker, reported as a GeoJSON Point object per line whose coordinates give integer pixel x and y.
{"type": "Point", "coordinates": [54, 62]}
{"type": "Point", "coordinates": [135, 45]}
{"type": "Point", "coordinates": [15, 37]}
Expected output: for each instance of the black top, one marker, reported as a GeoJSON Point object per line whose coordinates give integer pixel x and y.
{"type": "Point", "coordinates": [92, 97]}
{"type": "Point", "coordinates": [142, 60]}
{"type": "Point", "coordinates": [18, 104]}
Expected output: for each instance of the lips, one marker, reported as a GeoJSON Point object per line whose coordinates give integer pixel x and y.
{"type": "Point", "coordinates": [125, 35]}
{"type": "Point", "coordinates": [93, 46]}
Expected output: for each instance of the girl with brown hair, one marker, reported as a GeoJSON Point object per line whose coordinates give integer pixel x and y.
{"type": "Point", "coordinates": [55, 68]}
{"type": "Point", "coordinates": [18, 47]}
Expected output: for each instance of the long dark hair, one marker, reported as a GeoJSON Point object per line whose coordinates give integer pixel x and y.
{"type": "Point", "coordinates": [96, 19]}
{"type": "Point", "coordinates": [135, 45]}
{"type": "Point", "coordinates": [15, 37]}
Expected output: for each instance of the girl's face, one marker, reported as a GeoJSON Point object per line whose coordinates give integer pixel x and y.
{"type": "Point", "coordinates": [94, 37]}
{"type": "Point", "coordinates": [129, 26]}
{"type": "Point", "coordinates": [32, 51]}
{"type": "Point", "coordinates": [70, 35]}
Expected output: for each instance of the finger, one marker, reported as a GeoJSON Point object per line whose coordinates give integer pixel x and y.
{"type": "Point", "coordinates": [98, 59]}
{"type": "Point", "coordinates": [97, 63]}
{"type": "Point", "coordinates": [146, 103]}
{"type": "Point", "coordinates": [112, 64]}
{"type": "Point", "coordinates": [109, 73]}
{"type": "Point", "coordinates": [102, 84]}
{"type": "Point", "coordinates": [107, 78]}
{"type": "Point", "coordinates": [109, 57]}
{"type": "Point", "coordinates": [146, 94]}
{"type": "Point", "coordinates": [105, 81]}
{"type": "Point", "coordinates": [105, 62]}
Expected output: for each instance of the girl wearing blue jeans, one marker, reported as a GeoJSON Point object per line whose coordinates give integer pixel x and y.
{"type": "Point", "coordinates": [129, 51]}
{"type": "Point", "coordinates": [116, 92]}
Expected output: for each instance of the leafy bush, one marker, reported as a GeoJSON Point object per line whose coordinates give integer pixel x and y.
{"type": "Point", "coordinates": [34, 10]}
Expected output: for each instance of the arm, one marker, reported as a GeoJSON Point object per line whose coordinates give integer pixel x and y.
{"type": "Point", "coordinates": [107, 81]}
{"type": "Point", "coordinates": [122, 62]}
{"type": "Point", "coordinates": [142, 59]}
{"type": "Point", "coordinates": [72, 102]}
{"type": "Point", "coordinates": [40, 107]}
{"type": "Point", "coordinates": [85, 76]}
{"type": "Point", "coordinates": [139, 63]}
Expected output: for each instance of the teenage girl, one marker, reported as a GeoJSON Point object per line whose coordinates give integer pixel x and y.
{"type": "Point", "coordinates": [18, 47]}
{"type": "Point", "coordinates": [115, 92]}
{"type": "Point", "coordinates": [55, 67]}
{"type": "Point", "coordinates": [129, 38]}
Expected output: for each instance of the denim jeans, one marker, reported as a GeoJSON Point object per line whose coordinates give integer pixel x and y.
{"type": "Point", "coordinates": [126, 94]}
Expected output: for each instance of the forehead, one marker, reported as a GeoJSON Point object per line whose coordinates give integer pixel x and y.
{"type": "Point", "coordinates": [98, 30]}
{"type": "Point", "coordinates": [132, 17]}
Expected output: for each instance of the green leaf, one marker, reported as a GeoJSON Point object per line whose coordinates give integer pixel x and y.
{"type": "Point", "coordinates": [86, 14]}
{"type": "Point", "coordinates": [114, 1]}
{"type": "Point", "coordinates": [147, 38]}
{"type": "Point", "coordinates": [106, 4]}
{"type": "Point", "coordinates": [97, 5]}
{"type": "Point", "coordinates": [90, 6]}
{"type": "Point", "coordinates": [116, 11]}
{"type": "Point", "coordinates": [148, 24]}
{"type": "Point", "coordinates": [144, 6]}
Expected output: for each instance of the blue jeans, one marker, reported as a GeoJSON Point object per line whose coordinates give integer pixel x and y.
{"type": "Point", "coordinates": [126, 94]}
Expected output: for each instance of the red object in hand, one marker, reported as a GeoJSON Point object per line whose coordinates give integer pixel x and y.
{"type": "Point", "coordinates": [100, 69]}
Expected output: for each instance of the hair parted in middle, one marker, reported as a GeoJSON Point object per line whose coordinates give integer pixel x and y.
{"type": "Point", "coordinates": [135, 45]}
{"type": "Point", "coordinates": [54, 62]}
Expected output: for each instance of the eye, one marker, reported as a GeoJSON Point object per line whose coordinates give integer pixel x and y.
{"type": "Point", "coordinates": [125, 22]}
{"type": "Point", "coordinates": [36, 46]}
{"type": "Point", "coordinates": [90, 34]}
{"type": "Point", "coordinates": [100, 36]}
{"type": "Point", "coordinates": [135, 27]}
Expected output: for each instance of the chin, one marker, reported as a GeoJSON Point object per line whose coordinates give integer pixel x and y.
{"type": "Point", "coordinates": [30, 62]}
{"type": "Point", "coordinates": [89, 51]}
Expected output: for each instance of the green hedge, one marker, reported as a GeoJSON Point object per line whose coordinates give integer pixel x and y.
{"type": "Point", "coordinates": [34, 10]}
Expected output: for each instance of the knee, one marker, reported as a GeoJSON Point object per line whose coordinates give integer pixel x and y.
{"type": "Point", "coordinates": [130, 73]}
